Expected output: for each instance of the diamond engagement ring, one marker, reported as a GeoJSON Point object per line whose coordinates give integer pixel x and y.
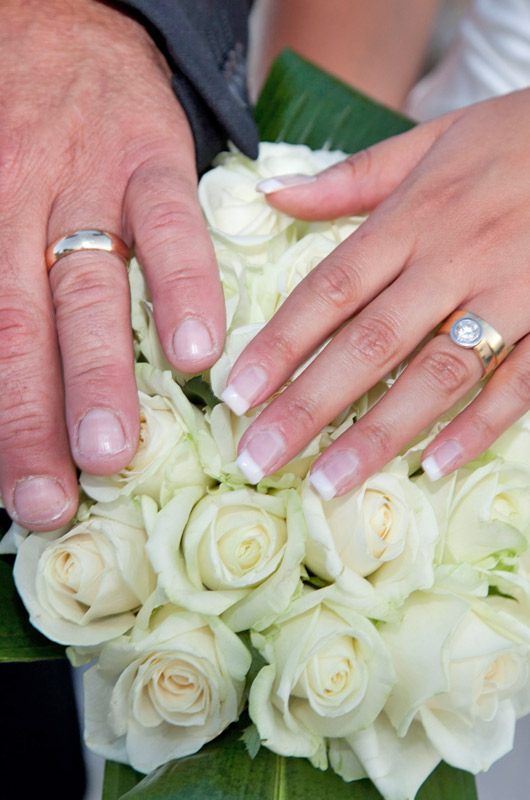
{"type": "Point", "coordinates": [470, 331]}
{"type": "Point", "coordinates": [89, 239]}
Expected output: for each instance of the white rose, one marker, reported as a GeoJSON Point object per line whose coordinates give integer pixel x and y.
{"type": "Point", "coordinates": [238, 554]}
{"type": "Point", "coordinates": [462, 681]}
{"type": "Point", "coordinates": [84, 587]}
{"type": "Point", "coordinates": [465, 678]}
{"type": "Point", "coordinates": [162, 693]}
{"type": "Point", "coordinates": [384, 531]}
{"type": "Point", "coordinates": [483, 513]}
{"type": "Point", "coordinates": [240, 214]}
{"type": "Point", "coordinates": [171, 432]}
{"type": "Point", "coordinates": [514, 444]}
{"type": "Point", "coordinates": [329, 674]}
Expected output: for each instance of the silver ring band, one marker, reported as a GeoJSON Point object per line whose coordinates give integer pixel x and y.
{"type": "Point", "coordinates": [89, 239]}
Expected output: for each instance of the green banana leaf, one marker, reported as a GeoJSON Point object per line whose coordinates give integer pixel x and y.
{"type": "Point", "coordinates": [301, 104]}
{"type": "Point", "coordinates": [19, 640]}
{"type": "Point", "coordinates": [223, 770]}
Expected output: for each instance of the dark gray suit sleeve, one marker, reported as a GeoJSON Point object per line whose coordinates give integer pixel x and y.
{"type": "Point", "coordinates": [205, 42]}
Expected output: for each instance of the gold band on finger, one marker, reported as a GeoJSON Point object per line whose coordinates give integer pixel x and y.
{"type": "Point", "coordinates": [472, 332]}
{"type": "Point", "coordinates": [89, 239]}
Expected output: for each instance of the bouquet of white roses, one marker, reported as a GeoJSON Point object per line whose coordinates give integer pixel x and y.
{"type": "Point", "coordinates": [391, 625]}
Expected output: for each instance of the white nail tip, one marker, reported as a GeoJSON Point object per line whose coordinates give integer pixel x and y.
{"type": "Point", "coordinates": [270, 185]}
{"type": "Point", "coordinates": [322, 484]}
{"type": "Point", "coordinates": [431, 468]}
{"type": "Point", "coordinates": [234, 401]}
{"type": "Point", "coordinates": [249, 468]}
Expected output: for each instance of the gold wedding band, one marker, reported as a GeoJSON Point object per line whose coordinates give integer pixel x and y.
{"type": "Point", "coordinates": [89, 239]}
{"type": "Point", "coordinates": [472, 332]}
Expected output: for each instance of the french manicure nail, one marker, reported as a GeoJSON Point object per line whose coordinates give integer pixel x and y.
{"type": "Point", "coordinates": [192, 341]}
{"type": "Point", "coordinates": [100, 433]}
{"type": "Point", "coordinates": [443, 460]}
{"type": "Point", "coordinates": [38, 500]}
{"type": "Point", "coordinates": [270, 185]}
{"type": "Point", "coordinates": [338, 470]}
{"type": "Point", "coordinates": [241, 392]}
{"type": "Point", "coordinates": [260, 455]}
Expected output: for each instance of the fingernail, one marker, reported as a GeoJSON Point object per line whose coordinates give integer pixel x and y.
{"type": "Point", "coordinates": [338, 470]}
{"type": "Point", "coordinates": [240, 393]}
{"type": "Point", "coordinates": [283, 182]}
{"type": "Point", "coordinates": [100, 433]}
{"type": "Point", "coordinates": [265, 449]}
{"type": "Point", "coordinates": [443, 460]}
{"type": "Point", "coordinates": [39, 500]}
{"type": "Point", "coordinates": [192, 341]}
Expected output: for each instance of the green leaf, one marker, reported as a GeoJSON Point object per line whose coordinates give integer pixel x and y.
{"type": "Point", "coordinates": [223, 771]}
{"type": "Point", "coordinates": [448, 783]}
{"type": "Point", "coordinates": [19, 640]}
{"type": "Point", "coordinates": [301, 104]}
{"type": "Point", "coordinates": [118, 779]}
{"type": "Point", "coordinates": [199, 392]}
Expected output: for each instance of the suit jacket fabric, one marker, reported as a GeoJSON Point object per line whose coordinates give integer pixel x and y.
{"type": "Point", "coordinates": [205, 43]}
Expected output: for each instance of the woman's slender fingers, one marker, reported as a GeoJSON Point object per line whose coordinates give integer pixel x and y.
{"type": "Point", "coordinates": [365, 350]}
{"type": "Point", "coordinates": [436, 379]}
{"type": "Point", "coordinates": [360, 182]}
{"type": "Point", "coordinates": [37, 476]}
{"type": "Point", "coordinates": [356, 272]}
{"type": "Point", "coordinates": [170, 238]}
{"type": "Point", "coordinates": [505, 398]}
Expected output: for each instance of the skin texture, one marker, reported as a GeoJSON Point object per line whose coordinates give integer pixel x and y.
{"type": "Point", "coordinates": [99, 141]}
{"type": "Point", "coordinates": [450, 230]}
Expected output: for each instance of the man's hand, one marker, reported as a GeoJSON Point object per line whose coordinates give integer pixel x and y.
{"type": "Point", "coordinates": [91, 136]}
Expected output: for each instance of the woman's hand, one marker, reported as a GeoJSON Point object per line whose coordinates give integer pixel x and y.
{"type": "Point", "coordinates": [91, 136]}
{"type": "Point", "coordinates": [450, 230]}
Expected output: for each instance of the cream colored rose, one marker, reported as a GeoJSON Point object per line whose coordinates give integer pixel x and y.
{"type": "Point", "coordinates": [84, 587]}
{"type": "Point", "coordinates": [328, 675]}
{"type": "Point", "coordinates": [228, 196]}
{"type": "Point", "coordinates": [474, 682]}
{"type": "Point", "coordinates": [238, 553]}
{"type": "Point", "coordinates": [384, 531]}
{"type": "Point", "coordinates": [171, 432]}
{"type": "Point", "coordinates": [462, 681]}
{"type": "Point", "coordinates": [483, 512]}
{"type": "Point", "coordinates": [163, 692]}
{"type": "Point", "coordinates": [514, 444]}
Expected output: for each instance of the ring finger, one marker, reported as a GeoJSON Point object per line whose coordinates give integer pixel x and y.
{"type": "Point", "coordinates": [439, 376]}
{"type": "Point", "coordinates": [91, 296]}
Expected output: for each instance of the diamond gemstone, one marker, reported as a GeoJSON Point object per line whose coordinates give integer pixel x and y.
{"type": "Point", "coordinates": [466, 332]}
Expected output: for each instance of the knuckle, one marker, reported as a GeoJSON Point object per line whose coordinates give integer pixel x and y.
{"type": "Point", "coordinates": [18, 333]}
{"type": "Point", "coordinates": [280, 348]}
{"type": "Point", "coordinates": [375, 340]}
{"type": "Point", "coordinates": [87, 287]}
{"type": "Point", "coordinates": [446, 370]}
{"type": "Point", "coordinates": [380, 437]}
{"type": "Point", "coordinates": [24, 428]}
{"type": "Point", "coordinates": [303, 413]}
{"type": "Point", "coordinates": [359, 165]}
{"type": "Point", "coordinates": [485, 427]}
{"type": "Point", "coordinates": [336, 283]}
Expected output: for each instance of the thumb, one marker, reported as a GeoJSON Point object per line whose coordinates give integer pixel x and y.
{"type": "Point", "coordinates": [360, 182]}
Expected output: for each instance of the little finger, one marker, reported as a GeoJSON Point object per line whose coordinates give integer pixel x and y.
{"type": "Point", "coordinates": [503, 400]}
